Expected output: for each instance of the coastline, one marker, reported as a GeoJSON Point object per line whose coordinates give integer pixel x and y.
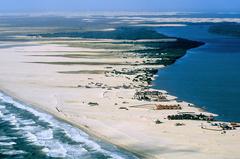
{"type": "Point", "coordinates": [89, 126]}
{"type": "Point", "coordinates": [62, 119]}
{"type": "Point", "coordinates": [84, 128]}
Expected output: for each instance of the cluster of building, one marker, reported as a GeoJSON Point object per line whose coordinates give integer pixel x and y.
{"type": "Point", "coordinates": [191, 116]}
{"type": "Point", "coordinates": [167, 107]}
{"type": "Point", "coordinates": [150, 95]}
{"type": "Point", "coordinates": [226, 126]}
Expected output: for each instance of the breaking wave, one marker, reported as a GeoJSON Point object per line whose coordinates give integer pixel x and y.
{"type": "Point", "coordinates": [28, 133]}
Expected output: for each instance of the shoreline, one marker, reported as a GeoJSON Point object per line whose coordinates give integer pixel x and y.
{"type": "Point", "coordinates": [94, 123]}
{"type": "Point", "coordinates": [95, 136]}
{"type": "Point", "coordinates": [207, 69]}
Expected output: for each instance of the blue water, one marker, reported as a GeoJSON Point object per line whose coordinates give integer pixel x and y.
{"type": "Point", "coordinates": [208, 76]}
{"type": "Point", "coordinates": [26, 133]}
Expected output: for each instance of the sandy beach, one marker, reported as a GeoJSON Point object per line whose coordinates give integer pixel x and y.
{"type": "Point", "coordinates": [84, 91]}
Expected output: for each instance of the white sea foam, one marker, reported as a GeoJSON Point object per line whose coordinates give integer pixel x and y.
{"type": "Point", "coordinates": [7, 143]}
{"type": "Point", "coordinates": [44, 136]}
{"type": "Point", "coordinates": [75, 150]}
{"type": "Point", "coordinates": [27, 122]}
{"type": "Point", "coordinates": [4, 138]}
{"type": "Point", "coordinates": [108, 29]}
{"type": "Point", "coordinates": [31, 137]}
{"type": "Point", "coordinates": [31, 128]}
{"type": "Point", "coordinates": [55, 150]}
{"type": "Point", "coordinates": [2, 107]}
{"type": "Point", "coordinates": [11, 118]}
{"type": "Point", "coordinates": [13, 152]}
{"type": "Point", "coordinates": [76, 136]}
{"type": "Point", "coordinates": [1, 114]}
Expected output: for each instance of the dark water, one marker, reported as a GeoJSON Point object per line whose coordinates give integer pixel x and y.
{"type": "Point", "coordinates": [29, 134]}
{"type": "Point", "coordinates": [208, 76]}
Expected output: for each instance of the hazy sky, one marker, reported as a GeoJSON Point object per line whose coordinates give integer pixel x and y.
{"type": "Point", "coordinates": [118, 5]}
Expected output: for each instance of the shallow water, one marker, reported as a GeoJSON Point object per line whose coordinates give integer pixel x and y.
{"type": "Point", "coordinates": [26, 133]}
{"type": "Point", "coordinates": [208, 76]}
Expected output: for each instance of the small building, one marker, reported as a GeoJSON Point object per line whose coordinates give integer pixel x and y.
{"type": "Point", "coordinates": [167, 107]}
{"type": "Point", "coordinates": [150, 95]}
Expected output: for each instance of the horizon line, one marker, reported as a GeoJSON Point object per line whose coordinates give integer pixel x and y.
{"type": "Point", "coordinates": [113, 13]}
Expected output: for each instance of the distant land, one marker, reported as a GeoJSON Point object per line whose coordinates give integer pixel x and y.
{"type": "Point", "coordinates": [83, 86]}
{"type": "Point", "coordinates": [228, 29]}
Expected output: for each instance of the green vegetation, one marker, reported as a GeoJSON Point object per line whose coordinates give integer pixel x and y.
{"type": "Point", "coordinates": [161, 52]}
{"type": "Point", "coordinates": [102, 45]}
{"type": "Point", "coordinates": [169, 52]}
{"type": "Point", "coordinates": [122, 33]}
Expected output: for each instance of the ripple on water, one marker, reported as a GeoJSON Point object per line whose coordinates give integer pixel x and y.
{"type": "Point", "coordinates": [39, 133]}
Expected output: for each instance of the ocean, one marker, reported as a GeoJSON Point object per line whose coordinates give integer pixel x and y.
{"type": "Point", "coordinates": [26, 133]}
{"type": "Point", "coordinates": [208, 76]}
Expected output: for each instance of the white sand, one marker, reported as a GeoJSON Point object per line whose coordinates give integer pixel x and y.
{"type": "Point", "coordinates": [134, 130]}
